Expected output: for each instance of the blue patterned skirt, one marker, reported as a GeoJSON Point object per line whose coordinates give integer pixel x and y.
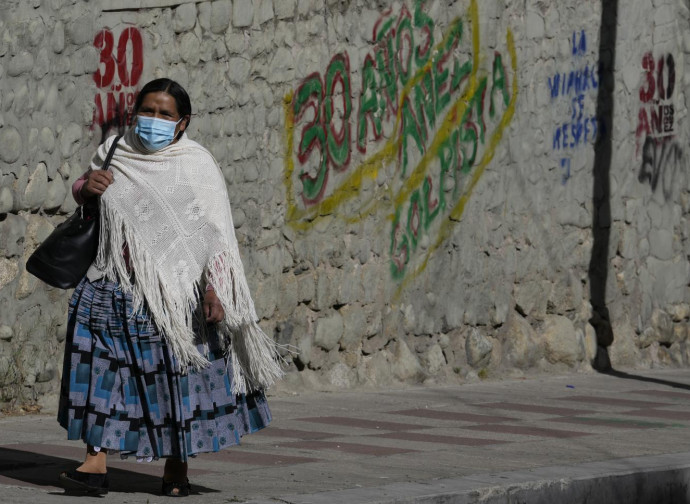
{"type": "Point", "coordinates": [122, 388]}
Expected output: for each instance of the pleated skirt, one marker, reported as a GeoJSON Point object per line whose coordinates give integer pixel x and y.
{"type": "Point", "coordinates": [122, 388]}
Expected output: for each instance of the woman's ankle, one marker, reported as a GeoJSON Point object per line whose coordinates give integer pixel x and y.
{"type": "Point", "coordinates": [92, 468]}
{"type": "Point", "coordinates": [94, 461]}
{"type": "Point", "coordinates": [175, 470]}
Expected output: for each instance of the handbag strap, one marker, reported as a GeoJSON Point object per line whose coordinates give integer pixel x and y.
{"type": "Point", "coordinates": [106, 163]}
{"type": "Point", "coordinates": [95, 204]}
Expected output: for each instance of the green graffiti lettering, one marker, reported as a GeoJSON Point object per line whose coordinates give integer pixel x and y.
{"type": "Point", "coordinates": [385, 28]}
{"type": "Point", "coordinates": [368, 105]}
{"type": "Point", "coordinates": [448, 160]}
{"type": "Point", "coordinates": [400, 249]}
{"type": "Point", "coordinates": [441, 88]}
{"type": "Point", "coordinates": [312, 187]}
{"type": "Point", "coordinates": [447, 154]}
{"type": "Point", "coordinates": [478, 103]}
{"type": "Point", "coordinates": [424, 21]}
{"type": "Point", "coordinates": [313, 136]}
{"type": "Point", "coordinates": [441, 82]}
{"type": "Point", "coordinates": [432, 208]}
{"type": "Point", "coordinates": [468, 135]}
{"type": "Point", "coordinates": [404, 29]}
{"type": "Point", "coordinates": [385, 64]}
{"type": "Point", "coordinates": [414, 95]}
{"type": "Point", "coordinates": [499, 81]}
{"type": "Point", "coordinates": [453, 163]}
{"type": "Point", "coordinates": [460, 73]}
{"type": "Point", "coordinates": [310, 87]}
{"type": "Point", "coordinates": [470, 132]}
{"type": "Point", "coordinates": [409, 127]}
{"type": "Point", "coordinates": [338, 142]}
{"type": "Point", "coordinates": [414, 218]}
{"type": "Point", "coordinates": [424, 103]}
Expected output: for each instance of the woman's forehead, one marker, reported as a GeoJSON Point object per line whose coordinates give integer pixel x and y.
{"type": "Point", "coordinates": [159, 100]}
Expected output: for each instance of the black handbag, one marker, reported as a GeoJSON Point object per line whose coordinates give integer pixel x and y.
{"type": "Point", "coordinates": [65, 256]}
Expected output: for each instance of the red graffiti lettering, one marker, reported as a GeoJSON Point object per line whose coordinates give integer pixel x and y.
{"type": "Point", "coordinates": [132, 37]}
{"type": "Point", "coordinates": [648, 64]}
{"type": "Point", "coordinates": [106, 70]}
{"type": "Point", "coordinates": [113, 108]}
{"type": "Point", "coordinates": [656, 116]}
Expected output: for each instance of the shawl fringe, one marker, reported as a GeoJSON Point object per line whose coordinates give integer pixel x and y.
{"type": "Point", "coordinates": [255, 358]}
{"type": "Point", "coordinates": [173, 303]}
{"type": "Point", "coordinates": [149, 288]}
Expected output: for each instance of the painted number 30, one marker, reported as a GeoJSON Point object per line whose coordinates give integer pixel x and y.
{"type": "Point", "coordinates": [105, 42]}
{"type": "Point", "coordinates": [656, 84]}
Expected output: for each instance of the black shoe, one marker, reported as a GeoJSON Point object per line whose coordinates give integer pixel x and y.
{"type": "Point", "coordinates": [176, 488]}
{"type": "Point", "coordinates": [87, 483]}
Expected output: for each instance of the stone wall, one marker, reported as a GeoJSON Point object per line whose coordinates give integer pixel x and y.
{"type": "Point", "coordinates": [423, 191]}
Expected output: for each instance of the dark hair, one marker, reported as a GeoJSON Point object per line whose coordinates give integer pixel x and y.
{"type": "Point", "coordinates": [184, 106]}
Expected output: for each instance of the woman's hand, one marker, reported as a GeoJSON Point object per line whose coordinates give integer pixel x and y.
{"type": "Point", "coordinates": [213, 310]}
{"type": "Point", "coordinates": [97, 181]}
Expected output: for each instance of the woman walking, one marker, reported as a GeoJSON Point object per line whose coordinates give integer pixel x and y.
{"type": "Point", "coordinates": [163, 356]}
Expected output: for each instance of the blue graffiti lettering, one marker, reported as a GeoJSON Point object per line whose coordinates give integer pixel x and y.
{"type": "Point", "coordinates": [573, 134]}
{"type": "Point", "coordinates": [565, 164]}
{"type": "Point", "coordinates": [579, 48]}
{"type": "Point", "coordinates": [554, 84]}
{"type": "Point", "coordinates": [573, 82]}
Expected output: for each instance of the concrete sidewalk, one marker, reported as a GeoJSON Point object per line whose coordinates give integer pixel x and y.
{"type": "Point", "coordinates": [557, 439]}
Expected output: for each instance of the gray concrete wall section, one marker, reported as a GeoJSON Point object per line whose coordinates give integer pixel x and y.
{"type": "Point", "coordinates": [412, 182]}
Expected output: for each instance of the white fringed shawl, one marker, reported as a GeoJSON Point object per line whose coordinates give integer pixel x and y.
{"type": "Point", "coordinates": [171, 209]}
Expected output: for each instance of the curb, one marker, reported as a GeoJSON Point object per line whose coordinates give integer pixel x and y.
{"type": "Point", "coordinates": [662, 479]}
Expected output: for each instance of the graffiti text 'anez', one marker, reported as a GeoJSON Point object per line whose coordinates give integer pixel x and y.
{"type": "Point", "coordinates": [413, 143]}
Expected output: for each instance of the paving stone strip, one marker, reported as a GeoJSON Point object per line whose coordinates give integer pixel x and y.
{"type": "Point", "coordinates": [364, 441]}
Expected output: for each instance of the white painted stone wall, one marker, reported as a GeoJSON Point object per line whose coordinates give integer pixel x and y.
{"type": "Point", "coordinates": [377, 240]}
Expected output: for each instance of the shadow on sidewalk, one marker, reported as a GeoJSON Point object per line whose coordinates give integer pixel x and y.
{"type": "Point", "coordinates": [628, 376]}
{"type": "Point", "coordinates": [37, 469]}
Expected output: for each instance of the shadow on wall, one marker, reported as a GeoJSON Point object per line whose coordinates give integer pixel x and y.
{"type": "Point", "coordinates": [601, 195]}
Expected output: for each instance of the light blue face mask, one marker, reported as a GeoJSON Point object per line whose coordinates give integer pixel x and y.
{"type": "Point", "coordinates": [155, 133]}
